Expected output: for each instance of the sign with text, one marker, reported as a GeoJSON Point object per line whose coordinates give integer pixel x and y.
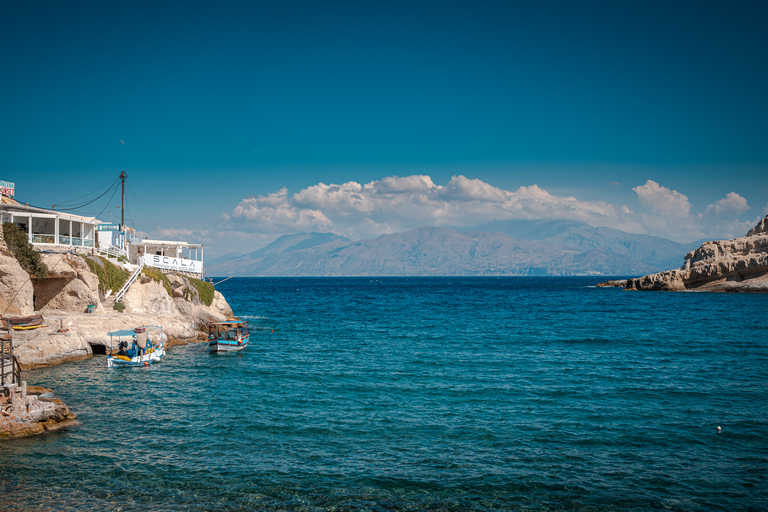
{"type": "Point", "coordinates": [109, 227]}
{"type": "Point", "coordinates": [171, 263]}
{"type": "Point", "coordinates": [7, 188]}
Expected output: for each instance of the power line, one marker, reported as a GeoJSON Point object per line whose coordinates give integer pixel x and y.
{"type": "Point", "coordinates": [86, 204]}
{"type": "Point", "coordinates": [114, 191]}
{"type": "Point", "coordinates": [65, 203]}
{"type": "Point", "coordinates": [142, 208]}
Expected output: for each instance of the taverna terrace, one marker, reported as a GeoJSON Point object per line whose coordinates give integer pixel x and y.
{"type": "Point", "coordinates": [55, 231]}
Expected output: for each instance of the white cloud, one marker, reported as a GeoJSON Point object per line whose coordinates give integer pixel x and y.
{"type": "Point", "coordinates": [275, 213]}
{"type": "Point", "coordinates": [731, 202]}
{"type": "Point", "coordinates": [663, 200]}
{"type": "Point", "coordinates": [395, 204]}
{"type": "Point", "coordinates": [181, 232]}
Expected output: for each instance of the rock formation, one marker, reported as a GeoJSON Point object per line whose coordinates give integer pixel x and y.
{"type": "Point", "coordinates": [63, 298]}
{"type": "Point", "coordinates": [740, 264]}
{"type": "Point", "coordinates": [73, 332]}
{"type": "Point", "coordinates": [70, 285]}
{"type": "Point", "coordinates": [42, 347]}
{"type": "Point", "coordinates": [16, 297]}
{"type": "Point", "coordinates": [16, 292]}
{"type": "Point", "coordinates": [31, 411]}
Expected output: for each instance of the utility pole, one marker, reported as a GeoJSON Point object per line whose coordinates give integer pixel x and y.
{"type": "Point", "coordinates": [122, 202]}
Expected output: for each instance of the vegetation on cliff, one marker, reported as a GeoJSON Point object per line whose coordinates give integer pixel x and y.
{"type": "Point", "coordinates": [158, 276]}
{"type": "Point", "coordinates": [193, 288]}
{"type": "Point", "coordinates": [22, 250]}
{"type": "Point", "coordinates": [111, 277]}
{"type": "Point", "coordinates": [205, 290]}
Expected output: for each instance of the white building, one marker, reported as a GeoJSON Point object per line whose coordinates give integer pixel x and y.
{"type": "Point", "coordinates": [167, 255]}
{"type": "Point", "coordinates": [49, 229]}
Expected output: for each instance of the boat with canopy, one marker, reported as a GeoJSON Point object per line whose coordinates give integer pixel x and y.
{"type": "Point", "coordinates": [140, 346]}
{"type": "Point", "coordinates": [229, 335]}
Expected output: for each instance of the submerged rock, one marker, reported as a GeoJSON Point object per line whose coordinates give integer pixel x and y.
{"type": "Point", "coordinates": [740, 264]}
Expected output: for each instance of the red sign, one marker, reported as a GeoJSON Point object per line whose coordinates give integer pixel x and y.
{"type": "Point", "coordinates": [7, 188]}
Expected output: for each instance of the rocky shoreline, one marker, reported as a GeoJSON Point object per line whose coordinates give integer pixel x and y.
{"type": "Point", "coordinates": [78, 318]}
{"type": "Point", "coordinates": [737, 265]}
{"type": "Point", "coordinates": [32, 410]}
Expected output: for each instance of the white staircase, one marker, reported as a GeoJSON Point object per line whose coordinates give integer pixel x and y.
{"type": "Point", "coordinates": [119, 295]}
{"type": "Point", "coordinates": [110, 251]}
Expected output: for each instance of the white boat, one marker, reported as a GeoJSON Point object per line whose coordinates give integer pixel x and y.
{"type": "Point", "coordinates": [228, 336]}
{"type": "Point", "coordinates": [141, 346]}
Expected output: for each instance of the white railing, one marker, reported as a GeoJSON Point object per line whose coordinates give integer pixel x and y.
{"type": "Point", "coordinates": [63, 240]}
{"type": "Point", "coordinates": [110, 251]}
{"type": "Point", "coordinates": [119, 295]}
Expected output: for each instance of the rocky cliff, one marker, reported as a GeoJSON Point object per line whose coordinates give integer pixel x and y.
{"type": "Point", "coordinates": [740, 264]}
{"type": "Point", "coordinates": [15, 286]}
{"type": "Point", "coordinates": [63, 299]}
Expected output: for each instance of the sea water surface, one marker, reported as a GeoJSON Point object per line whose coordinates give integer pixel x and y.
{"type": "Point", "coordinates": [423, 394]}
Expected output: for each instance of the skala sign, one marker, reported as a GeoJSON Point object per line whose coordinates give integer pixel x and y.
{"type": "Point", "coordinates": [170, 263]}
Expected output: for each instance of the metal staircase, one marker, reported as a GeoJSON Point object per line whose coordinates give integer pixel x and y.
{"type": "Point", "coordinates": [119, 295]}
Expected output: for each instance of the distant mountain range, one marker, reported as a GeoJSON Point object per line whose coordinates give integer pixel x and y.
{"type": "Point", "coordinates": [512, 248]}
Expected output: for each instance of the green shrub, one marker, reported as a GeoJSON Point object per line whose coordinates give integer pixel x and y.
{"type": "Point", "coordinates": [205, 290]}
{"type": "Point", "coordinates": [22, 250]}
{"type": "Point", "coordinates": [111, 277]}
{"type": "Point", "coordinates": [119, 307]}
{"type": "Point", "coordinates": [158, 276]}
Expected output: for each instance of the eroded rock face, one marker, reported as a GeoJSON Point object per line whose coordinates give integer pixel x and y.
{"type": "Point", "coordinates": [740, 264]}
{"type": "Point", "coordinates": [23, 414]}
{"type": "Point", "coordinates": [64, 297]}
{"type": "Point", "coordinates": [70, 285]}
{"type": "Point", "coordinates": [762, 227]}
{"type": "Point", "coordinates": [16, 291]}
{"type": "Point", "coordinates": [148, 296]}
{"type": "Point", "coordinates": [41, 347]}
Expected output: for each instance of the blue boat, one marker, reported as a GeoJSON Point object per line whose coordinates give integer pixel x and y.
{"type": "Point", "coordinates": [227, 336]}
{"type": "Point", "coordinates": [140, 346]}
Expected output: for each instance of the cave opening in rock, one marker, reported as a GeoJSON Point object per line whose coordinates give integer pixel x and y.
{"type": "Point", "coordinates": [99, 350]}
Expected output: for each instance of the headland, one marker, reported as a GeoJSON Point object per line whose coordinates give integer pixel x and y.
{"type": "Point", "coordinates": [736, 265]}
{"type": "Point", "coordinates": [77, 305]}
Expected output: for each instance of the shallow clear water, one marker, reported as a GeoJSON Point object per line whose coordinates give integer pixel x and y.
{"type": "Point", "coordinates": [423, 394]}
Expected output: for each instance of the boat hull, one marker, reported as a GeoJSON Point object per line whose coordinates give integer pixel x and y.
{"type": "Point", "coordinates": [227, 345]}
{"type": "Point", "coordinates": [143, 360]}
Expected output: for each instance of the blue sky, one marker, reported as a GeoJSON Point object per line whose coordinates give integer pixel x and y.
{"type": "Point", "coordinates": [235, 120]}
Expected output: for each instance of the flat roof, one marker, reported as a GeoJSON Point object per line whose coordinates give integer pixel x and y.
{"type": "Point", "coordinates": [144, 241]}
{"type": "Point", "coordinates": [32, 210]}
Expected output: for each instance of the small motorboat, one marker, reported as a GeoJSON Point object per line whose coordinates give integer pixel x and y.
{"type": "Point", "coordinates": [135, 347]}
{"type": "Point", "coordinates": [227, 336]}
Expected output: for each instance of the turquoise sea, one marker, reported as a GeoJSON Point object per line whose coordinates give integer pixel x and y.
{"type": "Point", "coordinates": [382, 394]}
